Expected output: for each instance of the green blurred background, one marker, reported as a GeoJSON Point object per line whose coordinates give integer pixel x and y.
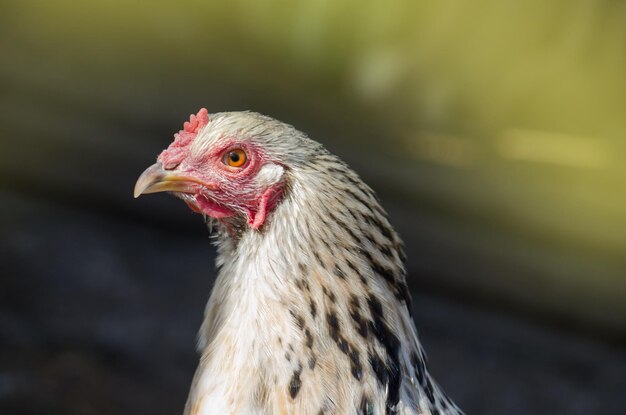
{"type": "Point", "coordinates": [495, 131]}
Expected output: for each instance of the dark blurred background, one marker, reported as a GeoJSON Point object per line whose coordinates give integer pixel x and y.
{"type": "Point", "coordinates": [494, 132]}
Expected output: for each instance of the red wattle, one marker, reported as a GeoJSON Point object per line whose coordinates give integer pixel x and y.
{"type": "Point", "coordinates": [212, 209]}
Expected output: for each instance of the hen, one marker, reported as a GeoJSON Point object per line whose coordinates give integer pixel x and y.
{"type": "Point", "coordinates": [310, 312]}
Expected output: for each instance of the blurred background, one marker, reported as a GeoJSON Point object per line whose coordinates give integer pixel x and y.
{"type": "Point", "coordinates": [494, 132]}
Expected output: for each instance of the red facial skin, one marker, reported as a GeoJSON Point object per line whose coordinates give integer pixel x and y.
{"type": "Point", "coordinates": [230, 190]}
{"type": "Point", "coordinates": [219, 190]}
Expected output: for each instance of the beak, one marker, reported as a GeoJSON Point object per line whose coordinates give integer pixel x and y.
{"type": "Point", "coordinates": [156, 179]}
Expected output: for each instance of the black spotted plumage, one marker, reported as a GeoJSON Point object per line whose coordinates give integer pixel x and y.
{"type": "Point", "coordinates": [311, 312]}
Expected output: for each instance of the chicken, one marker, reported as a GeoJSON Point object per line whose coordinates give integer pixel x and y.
{"type": "Point", "coordinates": [310, 312]}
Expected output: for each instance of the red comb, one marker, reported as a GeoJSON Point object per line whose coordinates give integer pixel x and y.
{"type": "Point", "coordinates": [196, 121]}
{"type": "Point", "coordinates": [177, 151]}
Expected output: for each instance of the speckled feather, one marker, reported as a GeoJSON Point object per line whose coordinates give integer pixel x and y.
{"type": "Point", "coordinates": [310, 313]}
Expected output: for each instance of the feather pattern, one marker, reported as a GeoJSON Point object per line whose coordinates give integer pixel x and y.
{"type": "Point", "coordinates": [310, 314]}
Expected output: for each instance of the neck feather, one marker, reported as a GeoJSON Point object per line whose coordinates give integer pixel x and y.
{"type": "Point", "coordinates": [321, 285]}
{"type": "Point", "coordinates": [330, 230]}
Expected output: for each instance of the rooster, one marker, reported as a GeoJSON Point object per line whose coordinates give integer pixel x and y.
{"type": "Point", "coordinates": [310, 312]}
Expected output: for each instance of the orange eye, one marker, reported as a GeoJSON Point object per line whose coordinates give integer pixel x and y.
{"type": "Point", "coordinates": [235, 158]}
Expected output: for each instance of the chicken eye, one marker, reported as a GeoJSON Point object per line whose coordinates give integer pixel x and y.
{"type": "Point", "coordinates": [235, 158]}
